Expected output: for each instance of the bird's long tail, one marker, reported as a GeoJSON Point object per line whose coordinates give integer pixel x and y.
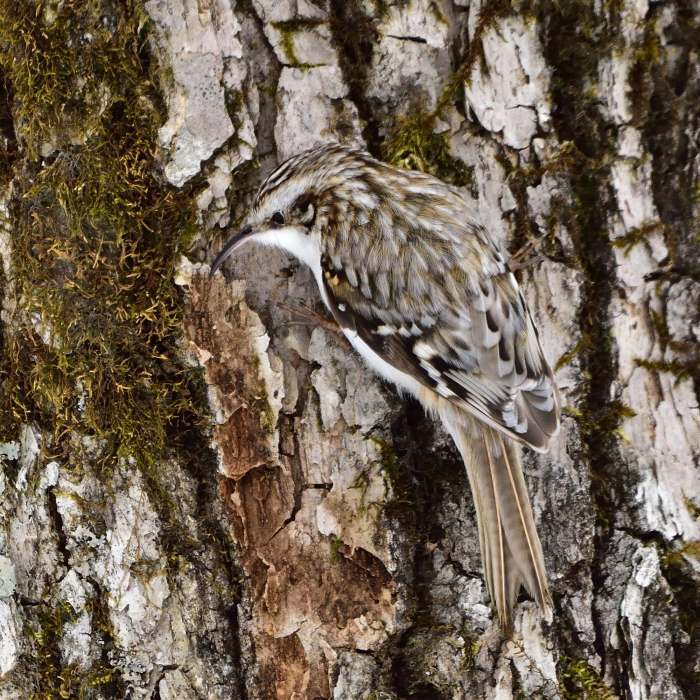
{"type": "Point", "coordinates": [510, 547]}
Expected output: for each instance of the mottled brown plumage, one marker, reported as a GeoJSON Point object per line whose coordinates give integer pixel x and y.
{"type": "Point", "coordinates": [425, 296]}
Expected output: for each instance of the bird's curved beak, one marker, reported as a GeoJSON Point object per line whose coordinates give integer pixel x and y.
{"type": "Point", "coordinates": [236, 241]}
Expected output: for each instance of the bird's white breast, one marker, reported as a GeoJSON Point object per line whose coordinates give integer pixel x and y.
{"type": "Point", "coordinates": [403, 381]}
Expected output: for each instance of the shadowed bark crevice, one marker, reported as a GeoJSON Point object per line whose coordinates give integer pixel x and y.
{"type": "Point", "coordinates": [576, 37]}
{"type": "Point", "coordinates": [668, 120]}
{"type": "Point", "coordinates": [426, 478]}
{"type": "Point", "coordinates": [355, 34]}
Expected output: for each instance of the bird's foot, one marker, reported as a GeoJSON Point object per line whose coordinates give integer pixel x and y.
{"type": "Point", "coordinates": [526, 256]}
{"type": "Point", "coordinates": [310, 317]}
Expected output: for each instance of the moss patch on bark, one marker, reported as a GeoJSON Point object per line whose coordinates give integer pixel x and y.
{"type": "Point", "coordinates": [95, 235]}
{"type": "Point", "coordinates": [92, 348]}
{"type": "Point", "coordinates": [414, 144]}
{"type": "Point", "coordinates": [578, 680]}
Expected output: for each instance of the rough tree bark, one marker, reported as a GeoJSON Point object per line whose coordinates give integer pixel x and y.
{"type": "Point", "coordinates": [206, 495]}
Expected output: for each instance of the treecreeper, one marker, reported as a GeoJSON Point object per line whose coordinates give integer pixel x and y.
{"type": "Point", "coordinates": [422, 292]}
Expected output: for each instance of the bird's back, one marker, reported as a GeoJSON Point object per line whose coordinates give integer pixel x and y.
{"type": "Point", "coordinates": [429, 289]}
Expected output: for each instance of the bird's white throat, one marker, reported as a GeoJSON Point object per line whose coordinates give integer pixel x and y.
{"type": "Point", "coordinates": [301, 245]}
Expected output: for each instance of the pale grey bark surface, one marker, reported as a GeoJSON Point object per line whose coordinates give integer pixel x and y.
{"type": "Point", "coordinates": [332, 547]}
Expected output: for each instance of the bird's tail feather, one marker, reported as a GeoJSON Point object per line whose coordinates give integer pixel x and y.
{"type": "Point", "coordinates": [510, 547]}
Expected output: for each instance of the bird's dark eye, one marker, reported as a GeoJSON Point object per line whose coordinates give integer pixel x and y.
{"type": "Point", "coordinates": [278, 218]}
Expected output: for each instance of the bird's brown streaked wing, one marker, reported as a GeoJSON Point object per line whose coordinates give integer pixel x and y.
{"type": "Point", "coordinates": [481, 352]}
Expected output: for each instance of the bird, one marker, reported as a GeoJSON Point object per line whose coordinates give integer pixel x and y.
{"type": "Point", "coordinates": [425, 296]}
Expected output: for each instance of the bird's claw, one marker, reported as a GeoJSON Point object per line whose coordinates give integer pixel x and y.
{"type": "Point", "coordinates": [311, 317]}
{"type": "Point", "coordinates": [526, 256]}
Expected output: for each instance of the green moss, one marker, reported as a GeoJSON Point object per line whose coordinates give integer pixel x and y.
{"type": "Point", "coordinates": [581, 346]}
{"type": "Point", "coordinates": [563, 160]}
{"type": "Point", "coordinates": [435, 11]}
{"type": "Point", "coordinates": [94, 249]}
{"type": "Point", "coordinates": [686, 366]}
{"type": "Point", "coordinates": [414, 144]}
{"type": "Point", "coordinates": [56, 681]}
{"type": "Point", "coordinates": [381, 7]}
{"type": "Point", "coordinates": [605, 422]}
{"type": "Point", "coordinates": [681, 370]}
{"type": "Point", "coordinates": [389, 460]}
{"type": "Point", "coordinates": [636, 236]}
{"type": "Point", "coordinates": [578, 680]}
{"type": "Point", "coordinates": [288, 46]}
{"type": "Point", "coordinates": [389, 467]}
{"type": "Point", "coordinates": [471, 650]}
{"type": "Point", "coordinates": [674, 558]}
{"type": "Point", "coordinates": [660, 328]}
{"type": "Point", "coordinates": [490, 13]}
{"type": "Point", "coordinates": [8, 144]}
{"type": "Point", "coordinates": [576, 38]}
{"type": "Point", "coordinates": [96, 235]}
{"type": "Point", "coordinates": [95, 238]}
{"type": "Point", "coordinates": [572, 411]}
{"type": "Point", "coordinates": [60, 681]}
{"type": "Point", "coordinates": [645, 56]}
{"type": "Point", "coordinates": [96, 232]}
{"type": "Point", "coordinates": [337, 546]}
{"type": "Point", "coordinates": [61, 58]}
{"type": "Point", "coordinates": [692, 508]}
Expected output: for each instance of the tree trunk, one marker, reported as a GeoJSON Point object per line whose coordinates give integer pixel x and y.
{"type": "Point", "coordinates": [205, 494]}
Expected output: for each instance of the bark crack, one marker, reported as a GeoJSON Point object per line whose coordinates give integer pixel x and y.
{"type": "Point", "coordinates": [415, 39]}
{"type": "Point", "coordinates": [57, 522]}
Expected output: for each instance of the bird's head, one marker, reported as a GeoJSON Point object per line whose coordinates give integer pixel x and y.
{"type": "Point", "coordinates": [284, 211]}
{"type": "Point", "coordinates": [283, 218]}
